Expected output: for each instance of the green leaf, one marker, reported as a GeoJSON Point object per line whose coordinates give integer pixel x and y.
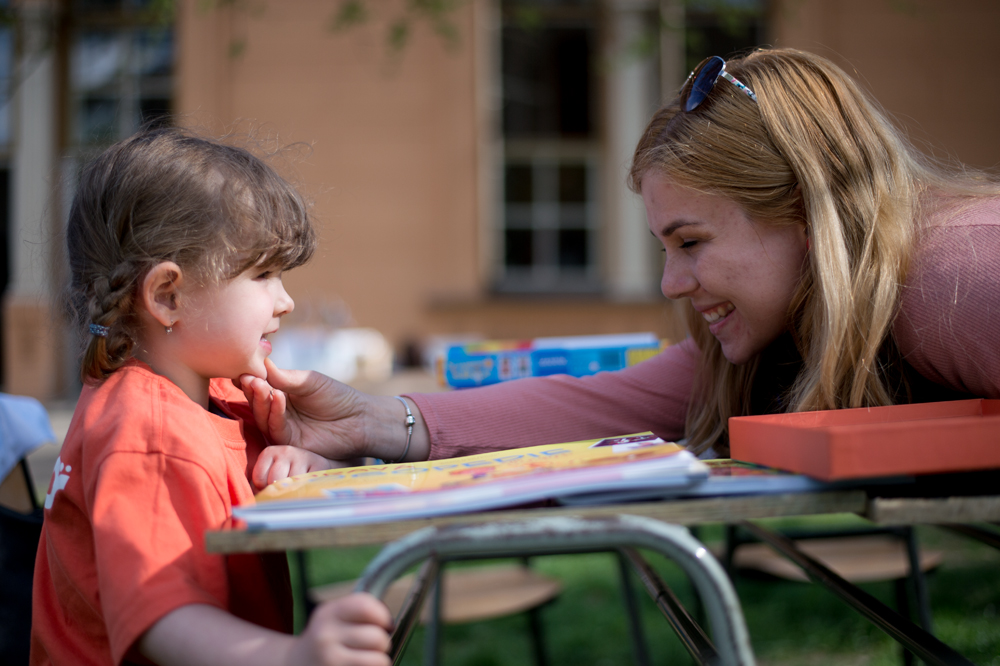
{"type": "Point", "coordinates": [162, 12]}
{"type": "Point", "coordinates": [349, 14]}
{"type": "Point", "coordinates": [237, 48]}
{"type": "Point", "coordinates": [448, 32]}
{"type": "Point", "coordinates": [399, 34]}
{"type": "Point", "coordinates": [528, 17]}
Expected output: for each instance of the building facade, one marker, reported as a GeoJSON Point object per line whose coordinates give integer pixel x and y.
{"type": "Point", "coordinates": [471, 182]}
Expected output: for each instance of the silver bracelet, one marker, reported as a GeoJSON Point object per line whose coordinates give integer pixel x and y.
{"type": "Point", "coordinates": [409, 429]}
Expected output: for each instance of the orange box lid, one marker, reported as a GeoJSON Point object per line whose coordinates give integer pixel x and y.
{"type": "Point", "coordinates": [926, 438]}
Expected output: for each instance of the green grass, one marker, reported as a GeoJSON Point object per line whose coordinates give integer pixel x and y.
{"type": "Point", "coordinates": [789, 623]}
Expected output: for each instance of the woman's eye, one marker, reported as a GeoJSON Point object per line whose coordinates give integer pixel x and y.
{"type": "Point", "coordinates": [687, 244]}
{"type": "Point", "coordinates": [265, 275]}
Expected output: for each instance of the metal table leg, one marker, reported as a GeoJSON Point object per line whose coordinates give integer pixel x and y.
{"type": "Point", "coordinates": [988, 537]}
{"type": "Point", "coordinates": [640, 651]}
{"type": "Point", "coordinates": [691, 634]}
{"type": "Point", "coordinates": [546, 536]}
{"type": "Point", "coordinates": [920, 642]}
{"type": "Point", "coordinates": [432, 637]}
{"type": "Point", "coordinates": [409, 614]}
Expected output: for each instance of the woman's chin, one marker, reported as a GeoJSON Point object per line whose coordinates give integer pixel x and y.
{"type": "Point", "coordinates": [745, 349]}
{"type": "Point", "coordinates": [737, 355]}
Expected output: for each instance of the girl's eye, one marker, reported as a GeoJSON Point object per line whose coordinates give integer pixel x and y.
{"type": "Point", "coordinates": [265, 275]}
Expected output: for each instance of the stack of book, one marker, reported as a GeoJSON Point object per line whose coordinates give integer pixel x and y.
{"type": "Point", "coordinates": [617, 469]}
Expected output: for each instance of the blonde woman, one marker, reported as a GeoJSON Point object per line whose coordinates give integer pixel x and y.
{"type": "Point", "coordinates": [824, 263]}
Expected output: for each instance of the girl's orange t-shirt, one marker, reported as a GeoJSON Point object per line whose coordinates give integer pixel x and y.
{"type": "Point", "coordinates": [143, 473]}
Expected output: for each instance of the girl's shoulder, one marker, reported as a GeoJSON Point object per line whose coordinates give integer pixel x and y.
{"type": "Point", "coordinates": [134, 391]}
{"type": "Point", "coordinates": [135, 410]}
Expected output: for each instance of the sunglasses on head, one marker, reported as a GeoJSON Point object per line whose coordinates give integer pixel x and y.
{"type": "Point", "coordinates": [702, 80]}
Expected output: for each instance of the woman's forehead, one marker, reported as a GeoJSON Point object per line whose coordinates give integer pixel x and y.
{"type": "Point", "coordinates": [669, 197]}
{"type": "Point", "coordinates": [683, 186]}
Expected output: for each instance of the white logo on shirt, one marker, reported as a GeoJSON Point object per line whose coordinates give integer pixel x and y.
{"type": "Point", "coordinates": [59, 481]}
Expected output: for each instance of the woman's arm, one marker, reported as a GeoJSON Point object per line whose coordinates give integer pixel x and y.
{"type": "Point", "coordinates": [652, 395]}
{"type": "Point", "coordinates": [352, 631]}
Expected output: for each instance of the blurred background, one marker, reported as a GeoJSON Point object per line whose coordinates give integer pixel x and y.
{"type": "Point", "coordinates": [466, 159]}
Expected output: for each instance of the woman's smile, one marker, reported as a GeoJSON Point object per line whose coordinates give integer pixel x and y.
{"type": "Point", "coordinates": [714, 314]}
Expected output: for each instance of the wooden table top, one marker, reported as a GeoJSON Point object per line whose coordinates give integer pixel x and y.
{"type": "Point", "coordinates": [682, 512]}
{"type": "Point", "coordinates": [879, 510]}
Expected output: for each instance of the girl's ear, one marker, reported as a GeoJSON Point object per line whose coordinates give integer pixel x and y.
{"type": "Point", "coordinates": [160, 292]}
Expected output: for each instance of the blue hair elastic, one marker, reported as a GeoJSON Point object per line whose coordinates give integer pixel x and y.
{"type": "Point", "coordinates": [99, 331]}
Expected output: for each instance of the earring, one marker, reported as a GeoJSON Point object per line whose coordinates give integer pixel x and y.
{"type": "Point", "coordinates": [169, 329]}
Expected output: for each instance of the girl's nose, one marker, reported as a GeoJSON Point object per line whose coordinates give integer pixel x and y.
{"type": "Point", "coordinates": [284, 303]}
{"type": "Point", "coordinates": [677, 281]}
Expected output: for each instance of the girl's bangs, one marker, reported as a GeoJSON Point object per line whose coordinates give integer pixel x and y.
{"type": "Point", "coordinates": [269, 225]}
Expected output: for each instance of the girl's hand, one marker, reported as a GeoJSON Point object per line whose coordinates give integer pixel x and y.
{"type": "Point", "coordinates": [281, 462]}
{"type": "Point", "coordinates": [352, 631]}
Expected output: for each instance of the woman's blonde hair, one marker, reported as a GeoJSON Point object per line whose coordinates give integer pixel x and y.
{"type": "Point", "coordinates": [814, 150]}
{"type": "Point", "coordinates": [169, 195]}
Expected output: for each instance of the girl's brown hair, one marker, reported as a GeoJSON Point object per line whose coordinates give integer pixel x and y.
{"type": "Point", "coordinates": [814, 150]}
{"type": "Point", "coordinates": [169, 195]}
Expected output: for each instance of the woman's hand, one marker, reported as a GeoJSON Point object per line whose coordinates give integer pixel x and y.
{"type": "Point", "coordinates": [308, 410]}
{"type": "Point", "coordinates": [305, 421]}
{"type": "Point", "coordinates": [314, 412]}
{"type": "Point", "coordinates": [281, 462]}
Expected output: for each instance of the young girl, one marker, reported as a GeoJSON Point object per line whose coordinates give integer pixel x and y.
{"type": "Point", "coordinates": [176, 246]}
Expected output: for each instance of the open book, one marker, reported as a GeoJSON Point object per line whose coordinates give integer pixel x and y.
{"type": "Point", "coordinates": [725, 478]}
{"type": "Point", "coordinates": [380, 493]}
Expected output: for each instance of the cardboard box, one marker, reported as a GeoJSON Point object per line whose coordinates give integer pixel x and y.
{"type": "Point", "coordinates": [927, 438]}
{"type": "Point", "coordinates": [483, 363]}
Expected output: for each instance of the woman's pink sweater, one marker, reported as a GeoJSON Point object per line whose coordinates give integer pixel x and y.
{"type": "Point", "coordinates": [948, 329]}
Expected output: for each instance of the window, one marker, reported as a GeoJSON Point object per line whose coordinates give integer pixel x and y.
{"type": "Point", "coordinates": [551, 156]}
{"type": "Point", "coordinates": [121, 71]}
{"type": "Point", "coordinates": [562, 188]}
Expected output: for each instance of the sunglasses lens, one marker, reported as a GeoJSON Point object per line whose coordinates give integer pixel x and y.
{"type": "Point", "coordinates": [704, 81]}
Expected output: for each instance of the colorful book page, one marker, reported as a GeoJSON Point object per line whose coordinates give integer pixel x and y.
{"type": "Point", "coordinates": [380, 493]}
